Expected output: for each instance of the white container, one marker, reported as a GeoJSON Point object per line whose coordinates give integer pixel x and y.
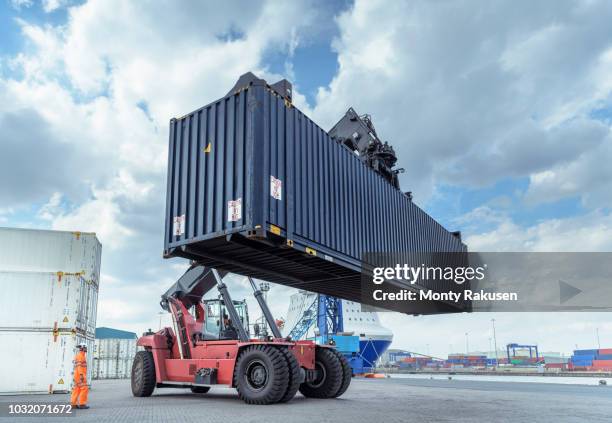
{"type": "Point", "coordinates": [49, 282]}
{"type": "Point", "coordinates": [115, 348]}
{"type": "Point", "coordinates": [50, 251]}
{"type": "Point", "coordinates": [39, 361]}
{"type": "Point", "coordinates": [37, 300]}
{"type": "Point", "coordinates": [112, 368]}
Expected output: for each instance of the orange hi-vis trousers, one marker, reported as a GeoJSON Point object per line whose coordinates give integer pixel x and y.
{"type": "Point", "coordinates": [80, 390]}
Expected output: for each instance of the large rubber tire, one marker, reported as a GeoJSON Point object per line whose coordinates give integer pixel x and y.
{"type": "Point", "coordinates": [200, 389]}
{"type": "Point", "coordinates": [347, 373]}
{"type": "Point", "coordinates": [261, 375]}
{"type": "Point", "coordinates": [294, 375]}
{"type": "Point", "coordinates": [329, 379]}
{"type": "Point", "coordinates": [143, 374]}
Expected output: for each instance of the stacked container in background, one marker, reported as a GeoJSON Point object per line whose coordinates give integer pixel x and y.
{"type": "Point", "coordinates": [597, 360]}
{"type": "Point", "coordinates": [583, 359]}
{"type": "Point", "coordinates": [114, 353]}
{"type": "Point", "coordinates": [49, 282]}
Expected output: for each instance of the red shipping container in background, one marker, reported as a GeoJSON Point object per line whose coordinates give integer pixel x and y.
{"type": "Point", "coordinates": [605, 351]}
{"type": "Point", "coordinates": [555, 365]}
{"type": "Point", "coordinates": [602, 364]}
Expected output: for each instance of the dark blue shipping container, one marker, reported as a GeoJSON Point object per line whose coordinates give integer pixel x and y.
{"type": "Point", "coordinates": [257, 188]}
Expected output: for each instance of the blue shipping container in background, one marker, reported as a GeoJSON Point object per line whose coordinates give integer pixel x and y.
{"type": "Point", "coordinates": [257, 188]}
{"type": "Point", "coordinates": [591, 353]}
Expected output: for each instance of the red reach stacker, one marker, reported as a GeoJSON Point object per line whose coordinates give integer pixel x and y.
{"type": "Point", "coordinates": [209, 345]}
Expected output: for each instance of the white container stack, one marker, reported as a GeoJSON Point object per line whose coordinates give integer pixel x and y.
{"type": "Point", "coordinates": [113, 354]}
{"type": "Point", "coordinates": [49, 282]}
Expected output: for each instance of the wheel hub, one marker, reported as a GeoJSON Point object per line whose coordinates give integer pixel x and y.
{"type": "Point", "coordinates": [321, 375]}
{"type": "Point", "coordinates": [256, 375]}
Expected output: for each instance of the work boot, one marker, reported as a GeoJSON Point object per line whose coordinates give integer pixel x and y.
{"type": "Point", "coordinates": [82, 407]}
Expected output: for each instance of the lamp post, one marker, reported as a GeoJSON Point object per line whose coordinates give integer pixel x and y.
{"type": "Point", "coordinates": [495, 343]}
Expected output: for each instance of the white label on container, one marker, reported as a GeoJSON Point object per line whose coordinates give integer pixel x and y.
{"type": "Point", "coordinates": [178, 227]}
{"type": "Point", "coordinates": [328, 258]}
{"type": "Point", "coordinates": [234, 210]}
{"type": "Point", "coordinates": [276, 188]}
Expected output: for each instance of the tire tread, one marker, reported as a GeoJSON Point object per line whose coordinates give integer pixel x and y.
{"type": "Point", "coordinates": [146, 388]}
{"type": "Point", "coordinates": [333, 381]}
{"type": "Point", "coordinates": [294, 375]}
{"type": "Point", "coordinates": [280, 381]}
{"type": "Point", "coordinates": [347, 373]}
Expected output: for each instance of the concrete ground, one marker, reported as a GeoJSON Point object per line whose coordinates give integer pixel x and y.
{"type": "Point", "coordinates": [367, 400]}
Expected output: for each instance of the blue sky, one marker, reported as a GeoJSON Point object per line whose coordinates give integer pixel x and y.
{"type": "Point", "coordinates": [500, 115]}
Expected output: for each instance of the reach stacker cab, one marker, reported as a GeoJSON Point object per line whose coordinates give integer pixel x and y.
{"type": "Point", "coordinates": [209, 344]}
{"type": "Point", "coordinates": [218, 325]}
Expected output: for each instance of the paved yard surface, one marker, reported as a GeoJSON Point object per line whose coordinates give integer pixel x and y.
{"type": "Point", "coordinates": [376, 401]}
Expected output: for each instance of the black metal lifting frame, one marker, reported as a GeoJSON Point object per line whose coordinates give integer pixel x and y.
{"type": "Point", "coordinates": [197, 281]}
{"type": "Point", "coordinates": [229, 305]}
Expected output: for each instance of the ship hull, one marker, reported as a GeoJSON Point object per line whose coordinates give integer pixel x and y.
{"type": "Point", "coordinates": [371, 350]}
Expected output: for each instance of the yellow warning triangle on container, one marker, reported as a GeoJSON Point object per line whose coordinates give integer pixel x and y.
{"type": "Point", "coordinates": [65, 319]}
{"type": "Point", "coordinates": [60, 382]}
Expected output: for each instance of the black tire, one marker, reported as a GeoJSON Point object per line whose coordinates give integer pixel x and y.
{"type": "Point", "coordinates": [294, 375]}
{"type": "Point", "coordinates": [261, 375]}
{"type": "Point", "coordinates": [200, 389]}
{"type": "Point", "coordinates": [143, 374]}
{"type": "Point", "coordinates": [347, 373]}
{"type": "Point", "coordinates": [329, 379]}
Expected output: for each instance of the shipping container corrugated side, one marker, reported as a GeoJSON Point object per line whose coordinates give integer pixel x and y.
{"type": "Point", "coordinates": [39, 250]}
{"type": "Point", "coordinates": [41, 300]}
{"type": "Point", "coordinates": [257, 188]}
{"type": "Point", "coordinates": [37, 361]}
{"type": "Point", "coordinates": [114, 348]}
{"type": "Point", "coordinates": [112, 368]}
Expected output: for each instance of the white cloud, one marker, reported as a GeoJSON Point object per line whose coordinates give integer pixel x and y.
{"type": "Point", "coordinates": [588, 177]}
{"type": "Point", "coordinates": [590, 232]}
{"type": "Point", "coordinates": [52, 5]}
{"type": "Point", "coordinates": [472, 95]}
{"type": "Point", "coordinates": [103, 213]}
{"type": "Point", "coordinates": [18, 4]}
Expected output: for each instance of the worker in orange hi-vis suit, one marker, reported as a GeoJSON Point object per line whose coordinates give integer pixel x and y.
{"type": "Point", "coordinates": [80, 389]}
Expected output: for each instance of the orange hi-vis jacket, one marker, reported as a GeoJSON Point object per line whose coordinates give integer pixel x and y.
{"type": "Point", "coordinates": [80, 368]}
